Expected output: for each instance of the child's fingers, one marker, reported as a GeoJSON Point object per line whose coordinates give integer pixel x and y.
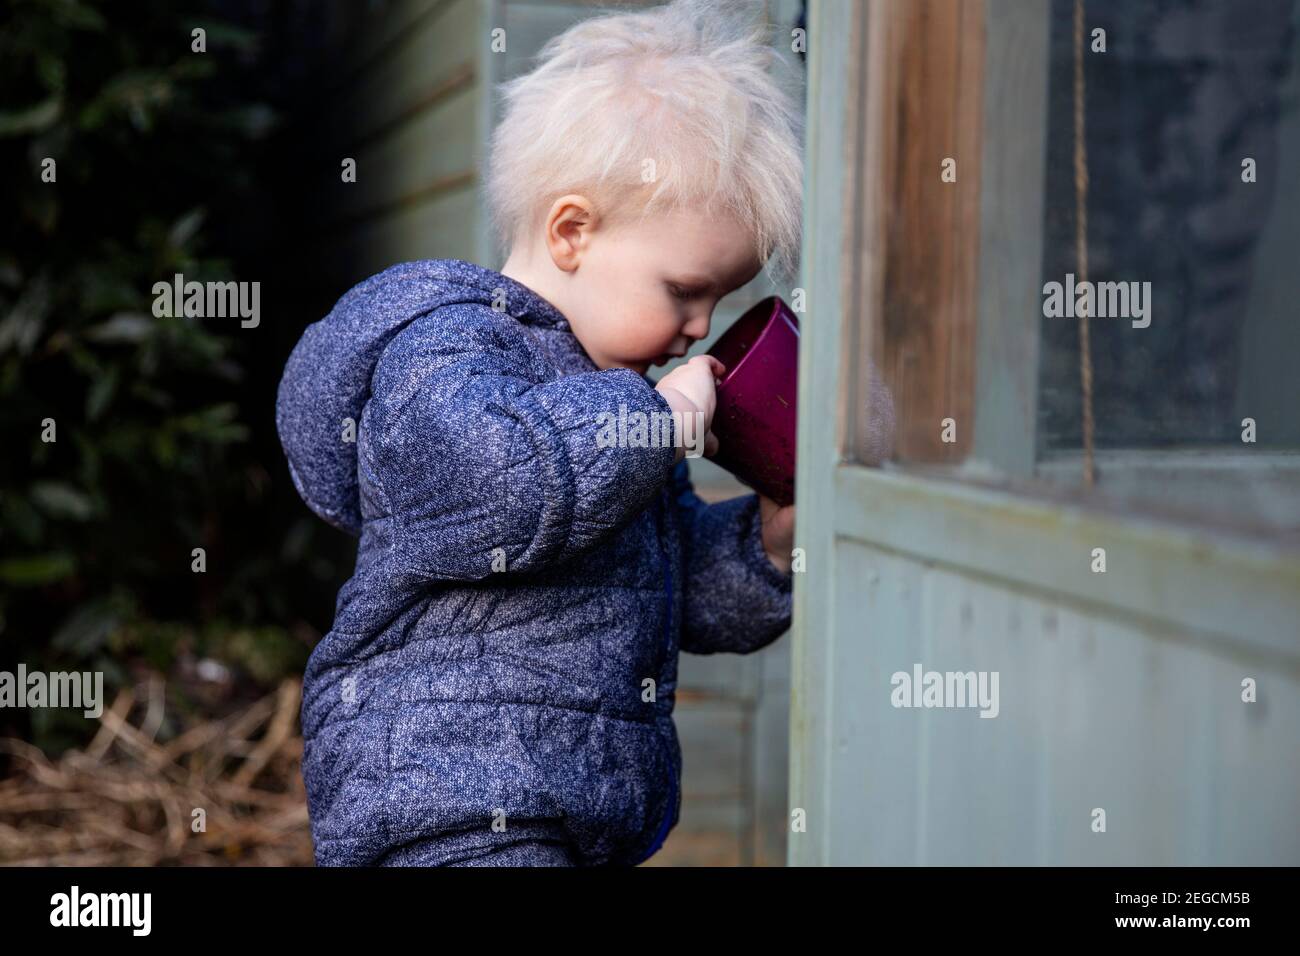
{"type": "Point", "coordinates": [719, 370]}
{"type": "Point", "coordinates": [769, 510]}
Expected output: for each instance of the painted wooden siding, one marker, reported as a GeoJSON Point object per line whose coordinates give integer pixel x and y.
{"type": "Point", "coordinates": [404, 99]}
{"type": "Point", "coordinates": [1133, 706]}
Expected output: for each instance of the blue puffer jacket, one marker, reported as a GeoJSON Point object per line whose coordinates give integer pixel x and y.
{"type": "Point", "coordinates": [503, 661]}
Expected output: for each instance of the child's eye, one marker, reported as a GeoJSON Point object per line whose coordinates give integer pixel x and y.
{"type": "Point", "coordinates": [681, 293]}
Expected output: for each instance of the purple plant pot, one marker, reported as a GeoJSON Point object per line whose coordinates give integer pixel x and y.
{"type": "Point", "coordinates": [756, 413]}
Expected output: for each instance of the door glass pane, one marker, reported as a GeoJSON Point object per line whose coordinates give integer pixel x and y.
{"type": "Point", "coordinates": [1193, 213]}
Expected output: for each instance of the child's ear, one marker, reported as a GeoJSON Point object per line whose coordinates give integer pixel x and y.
{"type": "Point", "coordinates": [569, 227]}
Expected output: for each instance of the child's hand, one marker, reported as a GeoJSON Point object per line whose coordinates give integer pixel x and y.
{"type": "Point", "coordinates": [778, 532]}
{"type": "Point", "coordinates": [691, 390]}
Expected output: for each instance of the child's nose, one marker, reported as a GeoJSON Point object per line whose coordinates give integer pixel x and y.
{"type": "Point", "coordinates": [698, 327]}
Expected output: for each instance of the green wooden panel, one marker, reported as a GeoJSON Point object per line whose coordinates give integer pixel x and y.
{"type": "Point", "coordinates": [432, 230]}
{"type": "Point", "coordinates": [1227, 591]}
{"type": "Point", "coordinates": [431, 151]}
{"type": "Point", "coordinates": [409, 104]}
{"type": "Point", "coordinates": [441, 43]}
{"type": "Point", "coordinates": [1093, 711]}
{"type": "Point", "coordinates": [370, 32]}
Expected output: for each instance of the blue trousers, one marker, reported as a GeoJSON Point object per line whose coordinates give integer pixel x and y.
{"type": "Point", "coordinates": [525, 852]}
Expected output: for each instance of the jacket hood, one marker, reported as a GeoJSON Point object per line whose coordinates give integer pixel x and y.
{"type": "Point", "coordinates": [326, 381]}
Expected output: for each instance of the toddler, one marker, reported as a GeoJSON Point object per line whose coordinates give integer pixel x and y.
{"type": "Point", "coordinates": [497, 687]}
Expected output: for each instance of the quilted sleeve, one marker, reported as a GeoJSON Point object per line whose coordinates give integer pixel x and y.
{"type": "Point", "coordinates": [734, 598]}
{"type": "Point", "coordinates": [485, 468]}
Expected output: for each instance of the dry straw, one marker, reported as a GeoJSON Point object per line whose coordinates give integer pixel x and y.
{"type": "Point", "coordinates": [129, 800]}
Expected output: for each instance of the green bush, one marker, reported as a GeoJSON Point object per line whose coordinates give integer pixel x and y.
{"type": "Point", "coordinates": [163, 442]}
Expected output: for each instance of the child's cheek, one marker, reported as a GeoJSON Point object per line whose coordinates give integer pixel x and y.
{"type": "Point", "coordinates": [646, 334]}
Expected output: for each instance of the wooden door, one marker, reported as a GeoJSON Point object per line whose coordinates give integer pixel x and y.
{"type": "Point", "coordinates": [1147, 713]}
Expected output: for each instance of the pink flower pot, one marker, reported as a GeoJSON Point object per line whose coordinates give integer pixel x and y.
{"type": "Point", "coordinates": [756, 414]}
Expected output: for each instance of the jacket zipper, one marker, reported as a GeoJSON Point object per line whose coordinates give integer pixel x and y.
{"type": "Point", "coordinates": [668, 643]}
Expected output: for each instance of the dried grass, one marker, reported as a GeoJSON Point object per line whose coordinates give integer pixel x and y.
{"type": "Point", "coordinates": [128, 800]}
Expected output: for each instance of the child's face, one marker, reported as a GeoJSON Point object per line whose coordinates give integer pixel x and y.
{"type": "Point", "coordinates": [640, 293]}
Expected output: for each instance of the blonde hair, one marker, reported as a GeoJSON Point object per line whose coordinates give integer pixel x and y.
{"type": "Point", "coordinates": [683, 91]}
